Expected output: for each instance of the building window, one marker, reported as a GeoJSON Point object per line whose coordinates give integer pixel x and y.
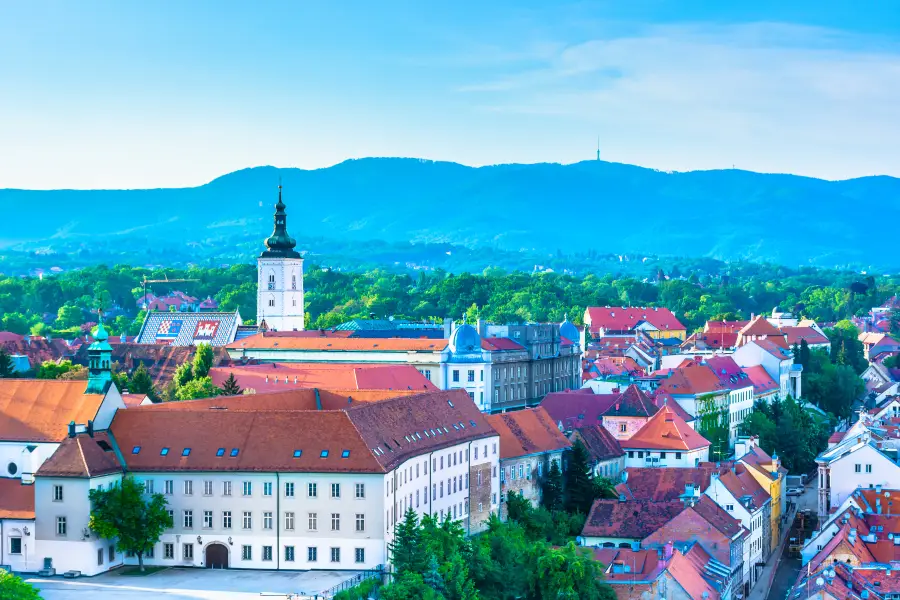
{"type": "Point", "coordinates": [289, 490]}
{"type": "Point", "coordinates": [99, 556]}
{"type": "Point", "coordinates": [456, 375]}
{"type": "Point", "coordinates": [171, 514]}
{"type": "Point", "coordinates": [207, 488]}
{"type": "Point", "coordinates": [267, 552]}
{"type": "Point", "coordinates": [289, 521]}
{"type": "Point", "coordinates": [148, 486]}
{"type": "Point", "coordinates": [246, 553]}
{"type": "Point", "coordinates": [188, 551]}
{"type": "Point", "coordinates": [271, 301]}
{"type": "Point", "coordinates": [360, 522]}
{"type": "Point", "coordinates": [868, 468]}
{"type": "Point", "coordinates": [313, 521]}
{"type": "Point", "coordinates": [267, 520]}
{"type": "Point", "coordinates": [169, 550]}
{"type": "Point", "coordinates": [169, 487]}
{"type": "Point", "coordinates": [335, 490]}
{"type": "Point", "coordinates": [57, 493]}
{"type": "Point", "coordinates": [288, 554]}
{"type": "Point", "coordinates": [226, 488]}
{"type": "Point", "coordinates": [188, 519]}
{"type": "Point", "coordinates": [470, 376]}
{"type": "Point", "coordinates": [15, 545]}
{"type": "Point", "coordinates": [248, 488]}
{"type": "Point", "coordinates": [335, 521]}
{"type": "Point", "coordinates": [226, 519]}
{"type": "Point", "coordinates": [678, 455]}
{"type": "Point", "coordinates": [207, 519]}
{"type": "Point", "coordinates": [857, 468]}
{"type": "Point", "coordinates": [361, 487]}
{"type": "Point", "coordinates": [335, 555]}
{"type": "Point", "coordinates": [623, 427]}
{"type": "Point", "coordinates": [112, 553]}
{"type": "Point", "coordinates": [360, 555]}
{"type": "Point", "coordinates": [188, 487]}
{"type": "Point", "coordinates": [434, 491]}
{"type": "Point", "coordinates": [312, 554]}
{"type": "Point", "coordinates": [312, 490]}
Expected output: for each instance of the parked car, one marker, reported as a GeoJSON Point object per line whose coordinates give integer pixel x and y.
{"type": "Point", "coordinates": [794, 491]}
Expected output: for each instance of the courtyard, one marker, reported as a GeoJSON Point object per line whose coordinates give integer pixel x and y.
{"type": "Point", "coordinates": [209, 584]}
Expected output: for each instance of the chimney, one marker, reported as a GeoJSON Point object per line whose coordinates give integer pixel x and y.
{"type": "Point", "coordinates": [852, 536]}
{"type": "Point", "coordinates": [90, 428]}
{"type": "Point", "coordinates": [448, 328]}
{"type": "Point", "coordinates": [71, 429]}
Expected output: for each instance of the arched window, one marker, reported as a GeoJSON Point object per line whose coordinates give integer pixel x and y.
{"type": "Point", "coordinates": [272, 301]}
{"type": "Point", "coordinates": [271, 280]}
{"type": "Point", "coordinates": [294, 282]}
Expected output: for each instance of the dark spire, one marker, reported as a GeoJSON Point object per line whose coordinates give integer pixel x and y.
{"type": "Point", "coordinates": [280, 244]}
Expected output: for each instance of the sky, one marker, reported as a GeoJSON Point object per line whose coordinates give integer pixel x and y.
{"type": "Point", "coordinates": [128, 94]}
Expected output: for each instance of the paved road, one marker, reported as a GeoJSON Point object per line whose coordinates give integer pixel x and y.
{"type": "Point", "coordinates": [784, 578]}
{"type": "Point", "coordinates": [193, 584]}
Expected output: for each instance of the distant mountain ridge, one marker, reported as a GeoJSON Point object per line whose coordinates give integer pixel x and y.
{"type": "Point", "coordinates": [606, 207]}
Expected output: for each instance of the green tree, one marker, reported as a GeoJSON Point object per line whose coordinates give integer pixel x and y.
{"type": "Point", "coordinates": [406, 549]}
{"type": "Point", "coordinates": [15, 322]}
{"type": "Point", "coordinates": [568, 572]}
{"type": "Point", "coordinates": [69, 316]}
{"type": "Point", "coordinates": [579, 485]}
{"type": "Point", "coordinates": [141, 383]}
{"type": "Point", "coordinates": [408, 586]}
{"type": "Point", "coordinates": [892, 362]}
{"type": "Point", "coordinates": [41, 330]}
{"type": "Point", "coordinates": [230, 387]}
{"type": "Point", "coordinates": [552, 488]}
{"type": "Point", "coordinates": [15, 588]}
{"type": "Point", "coordinates": [7, 369]}
{"type": "Point", "coordinates": [183, 374]}
{"type": "Point", "coordinates": [50, 369]}
{"type": "Point", "coordinates": [433, 577]}
{"type": "Point", "coordinates": [197, 388]}
{"type": "Point", "coordinates": [203, 361]}
{"type": "Point", "coordinates": [123, 513]}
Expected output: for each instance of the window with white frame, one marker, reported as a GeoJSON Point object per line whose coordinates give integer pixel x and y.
{"type": "Point", "coordinates": [360, 522]}
{"type": "Point", "coordinates": [289, 521]}
{"type": "Point", "coordinates": [248, 520]}
{"type": "Point", "coordinates": [361, 488]}
{"type": "Point", "coordinates": [313, 519]}
{"type": "Point", "coordinates": [335, 521]}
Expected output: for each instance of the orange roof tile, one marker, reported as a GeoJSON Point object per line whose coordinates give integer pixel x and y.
{"type": "Point", "coordinates": [295, 399]}
{"type": "Point", "coordinates": [666, 431]}
{"type": "Point", "coordinates": [663, 484]}
{"type": "Point", "coordinates": [797, 334]}
{"type": "Point", "coordinates": [631, 520]}
{"type": "Point", "coordinates": [39, 410]}
{"type": "Point", "coordinates": [81, 456]}
{"type": "Point", "coordinates": [621, 318]}
{"type": "Point", "coordinates": [687, 570]}
{"type": "Point", "coordinates": [16, 499]}
{"type": "Point", "coordinates": [527, 431]}
{"type": "Point", "coordinates": [264, 341]}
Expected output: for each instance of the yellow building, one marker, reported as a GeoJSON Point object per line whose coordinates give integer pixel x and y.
{"type": "Point", "coordinates": [769, 473]}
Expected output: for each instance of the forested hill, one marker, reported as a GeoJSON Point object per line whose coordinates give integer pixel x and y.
{"type": "Point", "coordinates": [599, 206]}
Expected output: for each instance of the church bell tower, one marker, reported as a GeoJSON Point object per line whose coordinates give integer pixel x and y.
{"type": "Point", "coordinates": [279, 297]}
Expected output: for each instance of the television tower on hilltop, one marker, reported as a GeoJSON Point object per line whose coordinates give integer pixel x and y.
{"type": "Point", "coordinates": [598, 148]}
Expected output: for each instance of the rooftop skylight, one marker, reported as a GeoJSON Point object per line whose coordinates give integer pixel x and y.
{"type": "Point", "coordinates": [220, 452]}
{"type": "Point", "coordinates": [136, 450]}
{"type": "Point", "coordinates": [186, 452]}
{"type": "Point", "coordinates": [234, 452]}
{"type": "Point", "coordinates": [164, 452]}
{"type": "Point", "coordinates": [298, 453]}
{"type": "Point", "coordinates": [324, 454]}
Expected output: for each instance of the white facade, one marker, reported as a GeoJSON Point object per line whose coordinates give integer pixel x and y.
{"type": "Point", "coordinates": [751, 355]}
{"type": "Point", "coordinates": [279, 297]}
{"type": "Point", "coordinates": [684, 459]}
{"type": "Point", "coordinates": [852, 464]}
{"type": "Point", "coordinates": [17, 546]}
{"type": "Point", "coordinates": [20, 460]}
{"type": "Point", "coordinates": [753, 520]}
{"type": "Point", "coordinates": [740, 405]}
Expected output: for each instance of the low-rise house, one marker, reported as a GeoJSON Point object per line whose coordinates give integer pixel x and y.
{"type": "Point", "coordinates": [607, 456]}
{"type": "Point", "coordinates": [624, 523]}
{"type": "Point", "coordinates": [778, 362]}
{"type": "Point", "coordinates": [270, 377]}
{"type": "Point", "coordinates": [695, 387]}
{"type": "Point", "coordinates": [769, 473]}
{"type": "Point", "coordinates": [765, 389]}
{"type": "Point", "coordinates": [666, 441]}
{"type": "Point", "coordinates": [759, 329]}
{"type": "Point", "coordinates": [656, 322]}
{"type": "Point", "coordinates": [877, 343]}
{"type": "Point", "coordinates": [529, 443]}
{"type": "Point", "coordinates": [628, 413]}
{"type": "Point", "coordinates": [706, 524]}
{"type": "Point", "coordinates": [813, 337]}
{"type": "Point", "coordinates": [743, 498]}
{"type": "Point", "coordinates": [856, 461]}
{"type": "Point", "coordinates": [17, 526]}
{"type": "Point", "coordinates": [740, 392]}
{"type": "Point", "coordinates": [680, 573]}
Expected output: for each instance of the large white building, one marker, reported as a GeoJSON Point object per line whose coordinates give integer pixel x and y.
{"type": "Point", "coordinates": [303, 480]}
{"type": "Point", "coordinates": [279, 296]}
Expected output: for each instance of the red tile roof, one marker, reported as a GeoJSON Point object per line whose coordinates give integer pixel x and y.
{"type": "Point", "coordinates": [663, 484]}
{"type": "Point", "coordinates": [16, 499]}
{"type": "Point", "coordinates": [740, 483]}
{"type": "Point", "coordinates": [528, 431]}
{"type": "Point", "coordinates": [836, 437]}
{"type": "Point", "coordinates": [688, 570]}
{"type": "Point", "coordinates": [377, 435]}
{"type": "Point", "coordinates": [600, 443]}
{"type": "Point", "coordinates": [624, 565]}
{"type": "Point", "coordinates": [632, 403]}
{"type": "Point", "coordinates": [795, 335]}
{"type": "Point", "coordinates": [619, 318]}
{"type": "Point", "coordinates": [661, 399]}
{"type": "Point", "coordinates": [711, 340]}
{"type": "Point", "coordinates": [724, 326]}
{"type": "Point", "coordinates": [718, 517]}
{"type": "Point", "coordinates": [292, 399]}
{"type": "Point", "coordinates": [264, 341]}
{"type": "Point", "coordinates": [757, 459]}
{"type": "Point", "coordinates": [500, 344]}
{"type": "Point", "coordinates": [81, 456]}
{"type": "Point", "coordinates": [666, 431]}
{"type": "Point", "coordinates": [39, 410]}
{"type": "Point", "coordinates": [776, 349]}
{"type": "Point", "coordinates": [573, 410]}
{"type": "Point", "coordinates": [632, 519]}
{"type": "Point", "coordinates": [340, 376]}
{"type": "Point", "coordinates": [762, 382]}
{"type": "Point", "coordinates": [728, 372]}
{"type": "Point", "coordinates": [691, 379]}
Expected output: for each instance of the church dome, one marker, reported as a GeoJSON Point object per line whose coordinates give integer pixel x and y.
{"type": "Point", "coordinates": [100, 334]}
{"type": "Point", "coordinates": [465, 339]}
{"type": "Point", "coordinates": [569, 331]}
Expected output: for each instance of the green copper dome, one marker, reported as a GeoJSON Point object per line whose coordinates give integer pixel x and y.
{"type": "Point", "coordinates": [280, 244]}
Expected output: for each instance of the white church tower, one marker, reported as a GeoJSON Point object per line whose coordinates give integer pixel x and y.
{"type": "Point", "coordinates": [279, 297]}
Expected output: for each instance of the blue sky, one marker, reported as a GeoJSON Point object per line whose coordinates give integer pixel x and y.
{"type": "Point", "coordinates": [127, 94]}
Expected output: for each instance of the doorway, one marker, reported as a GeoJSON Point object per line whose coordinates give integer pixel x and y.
{"type": "Point", "coordinates": [216, 556]}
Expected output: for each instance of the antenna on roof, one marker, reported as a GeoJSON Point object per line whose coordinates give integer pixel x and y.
{"type": "Point", "coordinates": [598, 148]}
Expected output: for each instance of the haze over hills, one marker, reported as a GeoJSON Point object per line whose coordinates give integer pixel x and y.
{"type": "Point", "coordinates": [600, 206]}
